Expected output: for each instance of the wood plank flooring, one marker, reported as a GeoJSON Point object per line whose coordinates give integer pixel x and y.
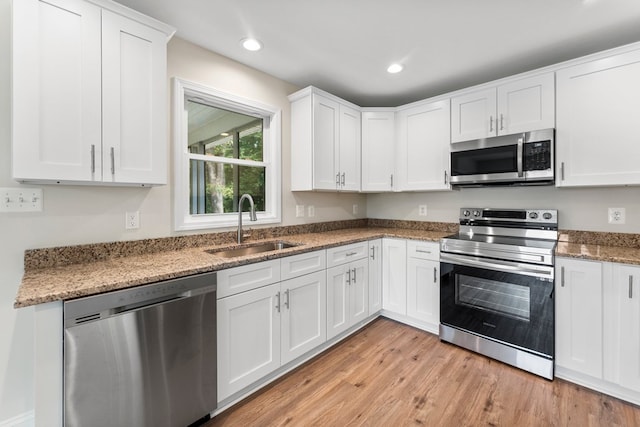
{"type": "Point", "coordinates": [390, 374]}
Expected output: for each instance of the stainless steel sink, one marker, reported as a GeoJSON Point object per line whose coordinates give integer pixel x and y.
{"type": "Point", "coordinates": [250, 249]}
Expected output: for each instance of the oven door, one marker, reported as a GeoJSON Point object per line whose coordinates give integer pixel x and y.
{"type": "Point", "coordinates": [508, 302]}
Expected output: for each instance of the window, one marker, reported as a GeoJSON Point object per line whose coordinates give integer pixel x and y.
{"type": "Point", "coordinates": [225, 146]}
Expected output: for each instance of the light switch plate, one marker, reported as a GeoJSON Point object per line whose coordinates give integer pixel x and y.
{"type": "Point", "coordinates": [299, 211]}
{"type": "Point", "coordinates": [21, 200]}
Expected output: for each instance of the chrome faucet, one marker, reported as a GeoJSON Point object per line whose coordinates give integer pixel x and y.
{"type": "Point", "coordinates": [252, 213]}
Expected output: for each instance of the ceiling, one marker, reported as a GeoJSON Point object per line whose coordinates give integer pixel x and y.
{"type": "Point", "coordinates": [345, 46]}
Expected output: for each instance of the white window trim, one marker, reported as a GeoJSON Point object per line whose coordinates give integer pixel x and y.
{"type": "Point", "coordinates": [183, 220]}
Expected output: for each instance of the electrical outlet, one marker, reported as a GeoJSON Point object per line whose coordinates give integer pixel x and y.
{"type": "Point", "coordinates": [617, 216]}
{"type": "Point", "coordinates": [311, 211]}
{"type": "Point", "coordinates": [422, 210]}
{"type": "Point", "coordinates": [299, 211]}
{"type": "Point", "coordinates": [132, 220]}
{"type": "Point", "coordinates": [355, 209]}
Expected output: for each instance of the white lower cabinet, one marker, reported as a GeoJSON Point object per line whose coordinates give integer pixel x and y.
{"type": "Point", "coordinates": [598, 326]}
{"type": "Point", "coordinates": [347, 296]}
{"type": "Point", "coordinates": [248, 338]}
{"type": "Point", "coordinates": [375, 276]}
{"type": "Point", "coordinates": [394, 275]}
{"type": "Point", "coordinates": [423, 283]}
{"type": "Point", "coordinates": [578, 300]}
{"type": "Point", "coordinates": [622, 327]}
{"type": "Point", "coordinates": [269, 325]}
{"type": "Point", "coordinates": [303, 314]}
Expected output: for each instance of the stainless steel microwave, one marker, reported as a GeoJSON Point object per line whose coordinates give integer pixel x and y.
{"type": "Point", "coordinates": [518, 159]}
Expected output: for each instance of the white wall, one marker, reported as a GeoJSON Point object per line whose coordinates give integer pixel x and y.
{"type": "Point", "coordinates": [84, 214]}
{"type": "Point", "coordinates": [578, 208]}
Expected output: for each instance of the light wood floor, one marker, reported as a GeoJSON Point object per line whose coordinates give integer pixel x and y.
{"type": "Point", "coordinates": [389, 374]}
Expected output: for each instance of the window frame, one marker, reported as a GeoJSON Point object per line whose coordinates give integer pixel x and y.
{"type": "Point", "coordinates": [272, 134]}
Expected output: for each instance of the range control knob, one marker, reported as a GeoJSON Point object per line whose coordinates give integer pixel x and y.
{"type": "Point", "coordinates": [476, 213]}
{"type": "Point", "coordinates": [547, 215]}
{"type": "Point", "coordinates": [466, 213]}
{"type": "Point", "coordinates": [533, 215]}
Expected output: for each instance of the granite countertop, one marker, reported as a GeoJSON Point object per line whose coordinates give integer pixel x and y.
{"type": "Point", "coordinates": [48, 283]}
{"type": "Point", "coordinates": [54, 274]}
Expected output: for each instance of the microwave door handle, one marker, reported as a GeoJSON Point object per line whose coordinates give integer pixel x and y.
{"type": "Point", "coordinates": [520, 156]}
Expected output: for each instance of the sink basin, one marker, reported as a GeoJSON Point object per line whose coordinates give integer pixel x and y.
{"type": "Point", "coordinates": [250, 249]}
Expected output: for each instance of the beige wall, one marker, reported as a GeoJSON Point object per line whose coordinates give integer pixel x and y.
{"type": "Point", "coordinates": [578, 208]}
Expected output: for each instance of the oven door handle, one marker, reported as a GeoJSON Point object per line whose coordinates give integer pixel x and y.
{"type": "Point", "coordinates": [545, 272]}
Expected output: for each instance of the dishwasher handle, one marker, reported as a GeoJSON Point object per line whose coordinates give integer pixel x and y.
{"type": "Point", "coordinates": [161, 300]}
{"type": "Point", "coordinates": [95, 307]}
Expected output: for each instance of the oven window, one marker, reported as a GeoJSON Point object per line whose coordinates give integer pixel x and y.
{"type": "Point", "coordinates": [504, 298]}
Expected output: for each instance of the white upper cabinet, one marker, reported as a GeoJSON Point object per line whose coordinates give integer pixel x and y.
{"type": "Point", "coordinates": [423, 147]}
{"type": "Point", "coordinates": [325, 142]}
{"type": "Point", "coordinates": [378, 150]}
{"type": "Point", "coordinates": [598, 106]}
{"type": "Point", "coordinates": [518, 106]}
{"type": "Point", "coordinates": [89, 94]}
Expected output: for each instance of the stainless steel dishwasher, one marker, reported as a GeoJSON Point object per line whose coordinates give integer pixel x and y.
{"type": "Point", "coordinates": [144, 356]}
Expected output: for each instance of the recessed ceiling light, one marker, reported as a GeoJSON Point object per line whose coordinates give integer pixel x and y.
{"type": "Point", "coordinates": [224, 134]}
{"type": "Point", "coordinates": [394, 68]}
{"type": "Point", "coordinates": [251, 44]}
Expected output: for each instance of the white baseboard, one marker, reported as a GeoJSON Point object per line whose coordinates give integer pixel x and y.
{"type": "Point", "coordinates": [26, 419]}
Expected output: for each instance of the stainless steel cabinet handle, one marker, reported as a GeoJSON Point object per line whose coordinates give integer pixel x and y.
{"type": "Point", "coordinates": [391, 180]}
{"type": "Point", "coordinates": [373, 252]}
{"type": "Point", "coordinates": [338, 178]}
{"type": "Point", "coordinates": [286, 298]}
{"type": "Point", "coordinates": [422, 251]}
{"type": "Point", "coordinates": [343, 178]}
{"type": "Point", "coordinates": [349, 277]}
{"type": "Point", "coordinates": [354, 276]}
{"type": "Point", "coordinates": [490, 123]}
{"type": "Point", "coordinates": [446, 178]}
{"type": "Point", "coordinates": [93, 158]}
{"type": "Point", "coordinates": [562, 276]}
{"type": "Point", "coordinates": [351, 253]}
{"type": "Point", "coordinates": [630, 287]}
{"type": "Point", "coordinates": [562, 171]}
{"type": "Point", "coordinates": [113, 162]}
{"type": "Point", "coordinates": [435, 275]}
{"type": "Point", "coordinates": [501, 121]}
{"type": "Point", "coordinates": [278, 302]}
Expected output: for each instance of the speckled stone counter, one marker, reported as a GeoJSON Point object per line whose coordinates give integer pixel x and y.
{"type": "Point", "coordinates": [54, 274]}
{"type": "Point", "coordinates": [599, 246]}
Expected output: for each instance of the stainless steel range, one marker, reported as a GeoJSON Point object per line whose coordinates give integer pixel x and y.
{"type": "Point", "coordinates": [496, 286]}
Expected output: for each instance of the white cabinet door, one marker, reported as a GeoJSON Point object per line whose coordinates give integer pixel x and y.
{"type": "Point", "coordinates": [375, 276]}
{"type": "Point", "coordinates": [517, 106]}
{"type": "Point", "coordinates": [325, 140]}
{"type": "Point", "coordinates": [349, 151]}
{"type": "Point", "coordinates": [598, 105]}
{"type": "Point", "coordinates": [56, 90]}
{"type": "Point", "coordinates": [248, 338]}
{"type": "Point", "coordinates": [134, 99]}
{"type": "Point", "coordinates": [423, 140]}
{"type": "Point", "coordinates": [579, 317]}
{"type": "Point", "coordinates": [358, 291]}
{"type": "Point", "coordinates": [624, 328]}
{"type": "Point", "coordinates": [473, 115]}
{"type": "Point", "coordinates": [394, 275]}
{"type": "Point", "coordinates": [526, 104]}
{"type": "Point", "coordinates": [304, 314]}
{"type": "Point", "coordinates": [423, 291]}
{"type": "Point", "coordinates": [378, 148]}
{"type": "Point", "coordinates": [337, 300]}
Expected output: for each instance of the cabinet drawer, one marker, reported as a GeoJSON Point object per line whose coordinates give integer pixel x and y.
{"type": "Point", "coordinates": [423, 250]}
{"type": "Point", "coordinates": [299, 265]}
{"type": "Point", "coordinates": [347, 253]}
{"type": "Point", "coordinates": [240, 279]}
